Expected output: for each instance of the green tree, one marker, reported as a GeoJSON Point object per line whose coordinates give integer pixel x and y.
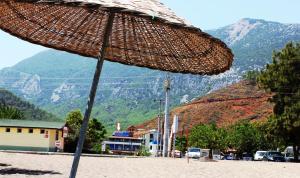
{"type": "Point", "coordinates": [282, 78]}
{"type": "Point", "coordinates": [73, 122]}
{"type": "Point", "coordinates": [95, 133]}
{"type": "Point", "coordinates": [246, 137]}
{"type": "Point", "coordinates": [207, 136]}
{"type": "Point", "coordinates": [10, 113]}
{"type": "Point", "coordinates": [267, 141]}
{"type": "Point", "coordinates": [181, 144]}
{"type": "Point", "coordinates": [143, 151]}
{"type": "Point", "coordinates": [252, 76]}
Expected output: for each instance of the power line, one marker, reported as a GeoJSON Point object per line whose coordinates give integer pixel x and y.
{"type": "Point", "coordinates": [85, 89]}
{"type": "Point", "coordinates": [84, 78]}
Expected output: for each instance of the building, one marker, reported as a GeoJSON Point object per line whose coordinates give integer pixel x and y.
{"type": "Point", "coordinates": [32, 135]}
{"type": "Point", "coordinates": [149, 137]}
{"type": "Point", "coordinates": [150, 141]}
{"type": "Point", "coordinates": [122, 142]}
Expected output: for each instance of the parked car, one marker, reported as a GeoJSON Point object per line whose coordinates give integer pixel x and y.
{"type": "Point", "coordinates": [274, 156]}
{"type": "Point", "coordinates": [259, 155]}
{"type": "Point", "coordinates": [177, 154]}
{"type": "Point", "coordinates": [204, 153]}
{"type": "Point", "coordinates": [194, 153]}
{"type": "Point", "coordinates": [289, 154]}
{"type": "Point", "coordinates": [217, 157]}
{"type": "Point", "coordinates": [228, 157]}
{"type": "Point", "coordinates": [247, 157]}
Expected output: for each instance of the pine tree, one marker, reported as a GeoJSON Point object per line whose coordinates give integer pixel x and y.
{"type": "Point", "coordinates": [10, 113]}
{"type": "Point", "coordinates": [94, 137]}
{"type": "Point", "coordinates": [282, 78]}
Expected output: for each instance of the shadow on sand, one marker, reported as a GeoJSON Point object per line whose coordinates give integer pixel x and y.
{"type": "Point", "coordinates": [4, 165]}
{"type": "Point", "coordinates": [10, 171]}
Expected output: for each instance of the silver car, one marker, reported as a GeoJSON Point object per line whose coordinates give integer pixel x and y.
{"type": "Point", "coordinates": [259, 155]}
{"type": "Point", "coordinates": [194, 153]}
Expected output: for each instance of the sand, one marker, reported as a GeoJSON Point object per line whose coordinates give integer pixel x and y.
{"type": "Point", "coordinates": [58, 166]}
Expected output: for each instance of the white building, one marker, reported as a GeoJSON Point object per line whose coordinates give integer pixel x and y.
{"type": "Point", "coordinates": [151, 142]}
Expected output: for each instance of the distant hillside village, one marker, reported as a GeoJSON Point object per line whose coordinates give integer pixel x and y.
{"type": "Point", "coordinates": [237, 103]}
{"type": "Point", "coordinates": [226, 106]}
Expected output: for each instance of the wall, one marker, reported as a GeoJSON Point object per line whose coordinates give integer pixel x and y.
{"type": "Point", "coordinates": [27, 141]}
{"type": "Point", "coordinates": [149, 144]}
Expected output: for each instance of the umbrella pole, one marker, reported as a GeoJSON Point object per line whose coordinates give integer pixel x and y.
{"type": "Point", "coordinates": [92, 95]}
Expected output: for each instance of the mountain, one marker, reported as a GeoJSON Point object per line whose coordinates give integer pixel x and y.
{"type": "Point", "coordinates": [60, 82]}
{"type": "Point", "coordinates": [253, 40]}
{"type": "Point", "coordinates": [29, 111]}
{"type": "Point", "coordinates": [243, 100]}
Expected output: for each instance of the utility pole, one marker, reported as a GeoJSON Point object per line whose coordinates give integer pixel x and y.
{"type": "Point", "coordinates": [166, 122]}
{"type": "Point", "coordinates": [158, 150]}
{"type": "Point", "coordinates": [175, 130]}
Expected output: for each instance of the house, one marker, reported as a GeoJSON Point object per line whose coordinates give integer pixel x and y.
{"type": "Point", "coordinates": [151, 141]}
{"type": "Point", "coordinates": [28, 135]}
{"type": "Point", "coordinates": [122, 142]}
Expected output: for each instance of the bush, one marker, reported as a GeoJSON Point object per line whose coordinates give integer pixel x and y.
{"type": "Point", "coordinates": [143, 151]}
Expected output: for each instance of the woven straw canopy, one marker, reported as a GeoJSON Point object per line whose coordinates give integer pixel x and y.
{"type": "Point", "coordinates": [144, 33]}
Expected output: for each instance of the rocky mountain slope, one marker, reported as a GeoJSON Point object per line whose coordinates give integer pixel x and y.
{"type": "Point", "coordinates": [226, 106]}
{"type": "Point", "coordinates": [59, 82]}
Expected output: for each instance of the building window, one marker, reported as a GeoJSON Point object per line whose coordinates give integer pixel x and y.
{"type": "Point", "coordinates": [19, 130]}
{"type": "Point", "coordinates": [7, 130]}
{"type": "Point", "coordinates": [30, 131]}
{"type": "Point", "coordinates": [151, 137]}
{"type": "Point", "coordinates": [42, 131]}
{"type": "Point", "coordinates": [151, 147]}
{"type": "Point", "coordinates": [56, 135]}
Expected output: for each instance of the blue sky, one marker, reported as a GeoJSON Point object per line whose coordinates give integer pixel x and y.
{"type": "Point", "coordinates": [209, 14]}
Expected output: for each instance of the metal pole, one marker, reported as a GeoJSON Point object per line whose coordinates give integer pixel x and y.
{"type": "Point", "coordinates": [92, 95]}
{"type": "Point", "coordinates": [174, 143]}
{"type": "Point", "coordinates": [157, 136]}
{"type": "Point", "coordinates": [166, 123]}
{"type": "Point", "coordinates": [159, 130]}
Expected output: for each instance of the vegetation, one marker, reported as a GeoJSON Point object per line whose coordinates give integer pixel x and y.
{"type": "Point", "coordinates": [207, 136]}
{"type": "Point", "coordinates": [10, 113]}
{"type": "Point", "coordinates": [282, 78]}
{"type": "Point", "coordinates": [95, 133]}
{"type": "Point", "coordinates": [12, 107]}
{"type": "Point", "coordinates": [143, 151]}
{"type": "Point", "coordinates": [181, 144]}
{"type": "Point", "coordinates": [243, 136]}
{"type": "Point", "coordinates": [246, 137]}
{"type": "Point", "coordinates": [252, 76]}
{"type": "Point", "coordinates": [120, 109]}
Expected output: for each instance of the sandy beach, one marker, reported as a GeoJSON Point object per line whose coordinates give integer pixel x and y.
{"type": "Point", "coordinates": [58, 166]}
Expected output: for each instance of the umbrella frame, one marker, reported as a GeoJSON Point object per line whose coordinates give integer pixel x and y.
{"type": "Point", "coordinates": [92, 95]}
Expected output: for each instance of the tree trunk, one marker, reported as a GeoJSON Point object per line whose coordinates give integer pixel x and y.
{"type": "Point", "coordinates": [296, 153]}
{"type": "Point", "coordinates": [210, 153]}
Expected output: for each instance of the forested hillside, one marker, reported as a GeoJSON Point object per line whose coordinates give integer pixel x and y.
{"type": "Point", "coordinates": [29, 111]}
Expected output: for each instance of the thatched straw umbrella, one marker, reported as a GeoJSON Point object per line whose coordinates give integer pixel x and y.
{"type": "Point", "coordinates": [134, 32]}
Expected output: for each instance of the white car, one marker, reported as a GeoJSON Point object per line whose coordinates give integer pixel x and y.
{"type": "Point", "coordinates": [194, 153]}
{"type": "Point", "coordinates": [259, 155]}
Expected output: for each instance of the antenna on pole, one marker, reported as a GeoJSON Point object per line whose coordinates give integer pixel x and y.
{"type": "Point", "coordinates": [167, 86]}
